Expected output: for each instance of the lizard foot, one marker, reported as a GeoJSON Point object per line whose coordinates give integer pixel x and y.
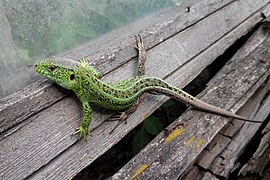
{"type": "Point", "coordinates": [120, 117]}
{"type": "Point", "coordinates": [83, 131]}
{"type": "Point", "coordinates": [140, 45]}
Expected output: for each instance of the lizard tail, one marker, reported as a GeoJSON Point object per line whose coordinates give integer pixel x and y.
{"type": "Point", "coordinates": [161, 87]}
{"type": "Point", "coordinates": [216, 110]}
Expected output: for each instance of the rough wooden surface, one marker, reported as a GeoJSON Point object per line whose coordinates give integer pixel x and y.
{"type": "Point", "coordinates": [260, 158]}
{"type": "Point", "coordinates": [43, 116]}
{"type": "Point", "coordinates": [169, 157]}
{"type": "Point", "coordinates": [220, 157]}
{"type": "Point", "coordinates": [106, 53]}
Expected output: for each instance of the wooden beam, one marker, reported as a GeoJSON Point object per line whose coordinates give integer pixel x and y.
{"type": "Point", "coordinates": [170, 157]}
{"type": "Point", "coordinates": [41, 146]}
{"type": "Point", "coordinates": [107, 53]}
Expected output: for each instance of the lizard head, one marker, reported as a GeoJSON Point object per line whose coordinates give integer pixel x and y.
{"type": "Point", "coordinates": [59, 70]}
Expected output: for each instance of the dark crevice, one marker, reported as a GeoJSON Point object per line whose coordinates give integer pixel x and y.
{"type": "Point", "coordinates": [110, 162]}
{"type": "Point", "coordinates": [249, 151]}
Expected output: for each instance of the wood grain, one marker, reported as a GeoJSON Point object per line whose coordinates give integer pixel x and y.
{"type": "Point", "coordinates": [107, 53]}
{"type": "Point", "coordinates": [42, 146]}
{"type": "Point", "coordinates": [171, 160]}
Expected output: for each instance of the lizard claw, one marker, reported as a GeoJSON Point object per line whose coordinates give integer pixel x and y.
{"type": "Point", "coordinates": [82, 131]}
{"type": "Point", "coordinates": [120, 117]}
{"type": "Point", "coordinates": [140, 44]}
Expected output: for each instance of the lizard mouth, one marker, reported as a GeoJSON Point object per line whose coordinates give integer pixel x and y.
{"type": "Point", "coordinates": [38, 69]}
{"type": "Point", "coordinates": [42, 71]}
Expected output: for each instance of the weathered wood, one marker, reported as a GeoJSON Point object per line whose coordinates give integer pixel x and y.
{"type": "Point", "coordinates": [106, 53]}
{"type": "Point", "coordinates": [43, 148]}
{"type": "Point", "coordinates": [170, 160]}
{"type": "Point", "coordinates": [26, 102]}
{"type": "Point", "coordinates": [196, 173]}
{"type": "Point", "coordinates": [208, 176]}
{"type": "Point", "coordinates": [222, 141]}
{"type": "Point", "coordinates": [216, 146]}
{"type": "Point", "coordinates": [220, 156]}
{"type": "Point", "coordinates": [226, 158]}
{"type": "Point", "coordinates": [260, 158]}
{"type": "Point", "coordinates": [226, 161]}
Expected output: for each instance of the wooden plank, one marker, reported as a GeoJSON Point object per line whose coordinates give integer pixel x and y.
{"type": "Point", "coordinates": [228, 158]}
{"type": "Point", "coordinates": [70, 155]}
{"type": "Point", "coordinates": [208, 175]}
{"type": "Point", "coordinates": [217, 160]}
{"type": "Point", "coordinates": [216, 146]}
{"type": "Point", "coordinates": [231, 130]}
{"type": "Point", "coordinates": [106, 53]}
{"type": "Point", "coordinates": [170, 160]}
{"type": "Point", "coordinates": [196, 173]}
{"type": "Point", "coordinates": [46, 135]}
{"type": "Point", "coordinates": [26, 102]}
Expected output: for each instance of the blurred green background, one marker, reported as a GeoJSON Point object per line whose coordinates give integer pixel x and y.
{"type": "Point", "coordinates": [36, 29]}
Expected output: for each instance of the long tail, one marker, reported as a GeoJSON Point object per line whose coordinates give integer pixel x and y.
{"type": "Point", "coordinates": [161, 87]}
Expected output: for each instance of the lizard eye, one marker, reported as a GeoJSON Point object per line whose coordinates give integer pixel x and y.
{"type": "Point", "coordinates": [72, 77]}
{"type": "Point", "coordinates": [51, 68]}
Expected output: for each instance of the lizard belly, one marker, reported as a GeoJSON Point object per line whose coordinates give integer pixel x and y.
{"type": "Point", "coordinates": [113, 105]}
{"type": "Point", "coordinates": [111, 102]}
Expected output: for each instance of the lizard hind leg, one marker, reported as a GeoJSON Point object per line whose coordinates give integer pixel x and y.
{"type": "Point", "coordinates": [123, 115]}
{"type": "Point", "coordinates": [120, 117]}
{"type": "Point", "coordinates": [142, 55]}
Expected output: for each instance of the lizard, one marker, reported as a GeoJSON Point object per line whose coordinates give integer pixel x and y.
{"type": "Point", "coordinates": [84, 81]}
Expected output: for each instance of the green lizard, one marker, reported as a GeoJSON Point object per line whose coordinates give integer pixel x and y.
{"type": "Point", "coordinates": [83, 79]}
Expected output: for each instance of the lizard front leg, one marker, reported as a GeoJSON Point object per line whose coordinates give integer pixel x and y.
{"type": "Point", "coordinates": [85, 122]}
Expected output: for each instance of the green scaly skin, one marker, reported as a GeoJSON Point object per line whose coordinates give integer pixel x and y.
{"type": "Point", "coordinates": [83, 79]}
